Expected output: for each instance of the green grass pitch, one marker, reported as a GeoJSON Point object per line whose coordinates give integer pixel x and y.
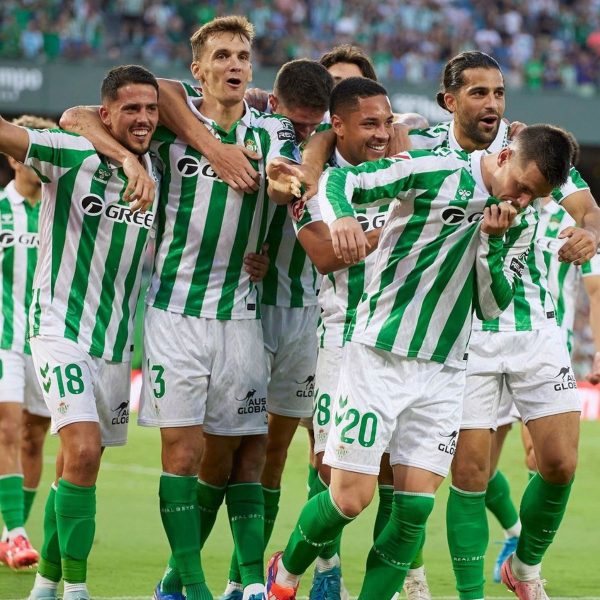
{"type": "Point", "coordinates": [130, 549]}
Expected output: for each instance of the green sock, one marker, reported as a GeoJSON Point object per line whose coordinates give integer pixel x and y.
{"type": "Point", "coordinates": [75, 507]}
{"type": "Point", "coordinates": [319, 525]}
{"type": "Point", "coordinates": [171, 580]}
{"type": "Point", "coordinates": [542, 509]}
{"type": "Point", "coordinates": [384, 510]}
{"type": "Point", "coordinates": [11, 500]}
{"type": "Point", "coordinates": [179, 514]}
{"type": "Point", "coordinates": [210, 498]}
{"type": "Point", "coordinates": [50, 561]}
{"type": "Point", "coordinates": [313, 473]}
{"type": "Point", "coordinates": [329, 550]}
{"type": "Point", "coordinates": [418, 560]}
{"type": "Point", "coordinates": [468, 536]}
{"type": "Point", "coordinates": [271, 509]}
{"type": "Point", "coordinates": [246, 511]}
{"type": "Point", "coordinates": [499, 502]}
{"type": "Point", "coordinates": [28, 498]}
{"type": "Point", "coordinates": [395, 547]}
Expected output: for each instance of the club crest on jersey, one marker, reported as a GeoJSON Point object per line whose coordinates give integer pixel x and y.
{"type": "Point", "coordinates": [251, 145]}
{"type": "Point", "coordinates": [9, 238]}
{"type": "Point", "coordinates": [94, 206]}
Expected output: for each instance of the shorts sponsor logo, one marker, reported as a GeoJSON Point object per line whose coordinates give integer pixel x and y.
{"type": "Point", "coordinates": [252, 404]}
{"type": "Point", "coordinates": [94, 206]}
{"type": "Point", "coordinates": [567, 380]}
{"type": "Point", "coordinates": [62, 408]}
{"type": "Point", "coordinates": [448, 446]}
{"type": "Point", "coordinates": [121, 414]}
{"type": "Point", "coordinates": [308, 387]}
{"type": "Point", "coordinates": [9, 238]}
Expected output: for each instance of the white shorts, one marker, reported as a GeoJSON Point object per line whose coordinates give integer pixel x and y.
{"type": "Point", "coordinates": [18, 383]}
{"type": "Point", "coordinates": [535, 368]}
{"type": "Point", "coordinates": [384, 400]}
{"type": "Point", "coordinates": [199, 371]}
{"type": "Point", "coordinates": [79, 387]}
{"type": "Point", "coordinates": [508, 413]}
{"type": "Point", "coordinates": [290, 337]}
{"type": "Point", "coordinates": [329, 363]}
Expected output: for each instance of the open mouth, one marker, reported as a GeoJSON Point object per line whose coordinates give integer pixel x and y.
{"type": "Point", "coordinates": [379, 148]}
{"type": "Point", "coordinates": [234, 81]}
{"type": "Point", "coordinates": [489, 120]}
{"type": "Point", "coordinates": [140, 133]}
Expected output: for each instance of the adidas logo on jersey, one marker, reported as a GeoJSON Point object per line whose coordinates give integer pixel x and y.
{"type": "Point", "coordinates": [12, 238]}
{"type": "Point", "coordinates": [94, 206]}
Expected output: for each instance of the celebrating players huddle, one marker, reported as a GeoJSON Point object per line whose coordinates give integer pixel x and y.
{"type": "Point", "coordinates": [392, 297]}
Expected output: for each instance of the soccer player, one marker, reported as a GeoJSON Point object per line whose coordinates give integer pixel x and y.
{"type": "Point", "coordinates": [348, 61]}
{"type": "Point", "coordinates": [411, 331]}
{"type": "Point", "coordinates": [83, 300]}
{"type": "Point", "coordinates": [24, 417]}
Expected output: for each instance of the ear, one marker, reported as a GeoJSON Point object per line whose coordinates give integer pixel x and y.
{"type": "Point", "coordinates": [250, 74]}
{"type": "Point", "coordinates": [337, 124]}
{"type": "Point", "coordinates": [450, 102]}
{"type": "Point", "coordinates": [197, 71]}
{"type": "Point", "coordinates": [504, 155]}
{"type": "Point", "coordinates": [104, 115]}
{"type": "Point", "coordinates": [273, 103]}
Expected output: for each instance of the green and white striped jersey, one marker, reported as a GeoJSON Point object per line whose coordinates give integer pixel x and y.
{"type": "Point", "coordinates": [19, 243]}
{"type": "Point", "coordinates": [341, 290]}
{"type": "Point", "coordinates": [564, 279]}
{"type": "Point", "coordinates": [87, 280]}
{"type": "Point", "coordinates": [205, 228]}
{"type": "Point", "coordinates": [532, 307]}
{"type": "Point", "coordinates": [420, 300]}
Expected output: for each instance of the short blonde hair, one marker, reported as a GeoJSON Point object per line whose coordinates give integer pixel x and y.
{"type": "Point", "coordinates": [34, 122]}
{"type": "Point", "coordinates": [235, 24]}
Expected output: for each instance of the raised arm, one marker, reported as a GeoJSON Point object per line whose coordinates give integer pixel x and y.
{"type": "Point", "coordinates": [230, 162]}
{"type": "Point", "coordinates": [14, 140]}
{"type": "Point", "coordinates": [315, 155]}
{"type": "Point", "coordinates": [582, 242]}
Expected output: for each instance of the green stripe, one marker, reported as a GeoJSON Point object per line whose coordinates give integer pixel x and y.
{"type": "Point", "coordinates": [123, 330]}
{"type": "Point", "coordinates": [59, 157]}
{"type": "Point", "coordinates": [83, 261]}
{"type": "Point", "coordinates": [356, 287]}
{"type": "Point", "coordinates": [274, 238]}
{"type": "Point", "coordinates": [236, 263]}
{"type": "Point", "coordinates": [33, 213]}
{"type": "Point", "coordinates": [37, 313]}
{"type": "Point", "coordinates": [163, 197]}
{"type": "Point", "coordinates": [297, 264]}
{"type": "Point", "coordinates": [8, 267]}
{"type": "Point", "coordinates": [64, 191]}
{"type": "Point", "coordinates": [563, 271]}
{"type": "Point", "coordinates": [172, 260]}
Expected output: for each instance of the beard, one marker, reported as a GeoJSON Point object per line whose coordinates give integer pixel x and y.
{"type": "Point", "coordinates": [481, 138]}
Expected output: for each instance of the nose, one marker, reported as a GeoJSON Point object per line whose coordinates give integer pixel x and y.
{"type": "Point", "coordinates": [524, 200]}
{"type": "Point", "coordinates": [302, 132]}
{"type": "Point", "coordinates": [382, 133]}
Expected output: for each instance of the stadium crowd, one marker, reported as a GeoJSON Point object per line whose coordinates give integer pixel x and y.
{"type": "Point", "coordinates": [540, 45]}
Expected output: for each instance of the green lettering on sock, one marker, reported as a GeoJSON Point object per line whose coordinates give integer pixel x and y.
{"type": "Point", "coordinates": [320, 524]}
{"type": "Point", "coordinates": [50, 560]}
{"type": "Point", "coordinates": [28, 498]}
{"type": "Point", "coordinates": [542, 509]}
{"type": "Point", "coordinates": [396, 545]}
{"type": "Point", "coordinates": [12, 501]}
{"type": "Point", "coordinates": [499, 502]}
{"type": "Point", "coordinates": [468, 536]}
{"type": "Point", "coordinates": [75, 507]}
{"type": "Point", "coordinates": [179, 514]}
{"type": "Point", "coordinates": [246, 512]}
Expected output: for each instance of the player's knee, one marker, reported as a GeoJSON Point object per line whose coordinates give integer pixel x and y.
{"type": "Point", "coordinates": [10, 435]}
{"type": "Point", "coordinates": [83, 458]}
{"type": "Point", "coordinates": [470, 474]}
{"type": "Point", "coordinates": [559, 468]}
{"type": "Point", "coordinates": [351, 505]}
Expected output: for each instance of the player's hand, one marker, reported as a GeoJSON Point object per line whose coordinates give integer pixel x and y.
{"type": "Point", "coordinates": [581, 245]}
{"type": "Point", "coordinates": [399, 140]}
{"type": "Point", "coordinates": [230, 163]}
{"type": "Point", "coordinates": [349, 240]}
{"type": "Point", "coordinates": [497, 218]}
{"type": "Point", "coordinates": [257, 98]}
{"type": "Point", "coordinates": [514, 128]}
{"type": "Point", "coordinates": [141, 187]}
{"type": "Point", "coordinates": [257, 265]}
{"type": "Point", "coordinates": [594, 375]}
{"type": "Point", "coordinates": [284, 177]}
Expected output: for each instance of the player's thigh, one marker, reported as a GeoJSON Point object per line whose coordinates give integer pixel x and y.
{"type": "Point", "coordinates": [12, 377]}
{"type": "Point", "coordinates": [426, 430]}
{"type": "Point", "coordinates": [329, 362]}
{"type": "Point", "coordinates": [175, 370]}
{"type": "Point", "coordinates": [237, 391]}
{"type": "Point", "coordinates": [34, 402]}
{"type": "Point", "coordinates": [112, 400]}
{"type": "Point", "coordinates": [293, 360]}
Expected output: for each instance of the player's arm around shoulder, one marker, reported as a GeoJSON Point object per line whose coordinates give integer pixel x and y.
{"type": "Point", "coordinates": [14, 140]}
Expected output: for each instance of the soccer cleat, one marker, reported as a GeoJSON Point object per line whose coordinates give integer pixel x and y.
{"type": "Point", "coordinates": [42, 594]}
{"type": "Point", "coordinates": [524, 590]}
{"type": "Point", "coordinates": [257, 597]}
{"type": "Point", "coordinates": [76, 596]}
{"type": "Point", "coordinates": [20, 554]}
{"type": "Point", "coordinates": [508, 547]}
{"type": "Point", "coordinates": [3, 551]}
{"type": "Point", "coordinates": [234, 595]}
{"type": "Point", "coordinates": [274, 590]}
{"type": "Point", "coordinates": [416, 588]}
{"type": "Point", "coordinates": [160, 595]}
{"type": "Point", "coordinates": [326, 585]}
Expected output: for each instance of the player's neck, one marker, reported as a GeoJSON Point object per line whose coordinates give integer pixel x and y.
{"type": "Point", "coordinates": [223, 115]}
{"type": "Point", "coordinates": [31, 192]}
{"type": "Point", "coordinates": [465, 142]}
{"type": "Point", "coordinates": [488, 162]}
